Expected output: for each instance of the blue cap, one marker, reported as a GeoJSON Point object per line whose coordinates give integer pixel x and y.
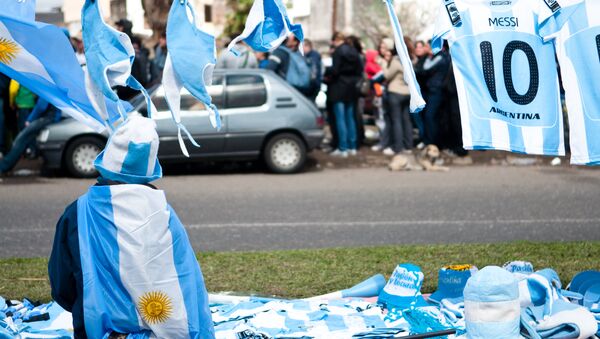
{"type": "Point", "coordinates": [452, 281]}
{"type": "Point", "coordinates": [130, 155]}
{"type": "Point", "coordinates": [492, 307]}
{"type": "Point", "coordinates": [403, 289]}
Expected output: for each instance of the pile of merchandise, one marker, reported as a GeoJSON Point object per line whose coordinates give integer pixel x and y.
{"type": "Point", "coordinates": [509, 302]}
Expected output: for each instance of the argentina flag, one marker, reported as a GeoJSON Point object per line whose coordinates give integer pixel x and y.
{"type": "Point", "coordinates": [40, 57]}
{"type": "Point", "coordinates": [138, 265]}
{"type": "Point", "coordinates": [267, 26]}
{"type": "Point", "coordinates": [416, 99]}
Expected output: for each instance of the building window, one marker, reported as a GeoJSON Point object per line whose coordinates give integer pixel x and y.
{"type": "Point", "coordinates": [207, 13]}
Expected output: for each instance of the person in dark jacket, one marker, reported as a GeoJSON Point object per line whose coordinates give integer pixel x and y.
{"type": "Point", "coordinates": [316, 77]}
{"type": "Point", "coordinates": [4, 84]}
{"type": "Point", "coordinates": [433, 74]}
{"type": "Point", "coordinates": [42, 115]}
{"type": "Point", "coordinates": [342, 79]}
{"type": "Point", "coordinates": [121, 261]}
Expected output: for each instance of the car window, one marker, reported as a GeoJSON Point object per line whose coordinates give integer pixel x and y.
{"type": "Point", "coordinates": [189, 102]}
{"type": "Point", "coordinates": [245, 91]}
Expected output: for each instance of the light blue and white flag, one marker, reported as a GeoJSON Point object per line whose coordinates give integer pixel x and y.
{"type": "Point", "coordinates": [40, 57]}
{"type": "Point", "coordinates": [19, 9]}
{"type": "Point", "coordinates": [267, 26]}
{"type": "Point", "coordinates": [140, 274]}
{"type": "Point", "coordinates": [190, 64]}
{"type": "Point", "coordinates": [416, 99]}
{"type": "Point", "coordinates": [109, 56]}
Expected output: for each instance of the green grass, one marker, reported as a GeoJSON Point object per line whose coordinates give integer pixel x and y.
{"type": "Point", "coordinates": [302, 273]}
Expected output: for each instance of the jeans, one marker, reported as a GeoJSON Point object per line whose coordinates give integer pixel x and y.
{"type": "Point", "coordinates": [22, 115]}
{"type": "Point", "coordinates": [345, 124]}
{"type": "Point", "coordinates": [24, 139]}
{"type": "Point", "coordinates": [2, 129]}
{"type": "Point", "coordinates": [431, 116]}
{"type": "Point", "coordinates": [398, 127]}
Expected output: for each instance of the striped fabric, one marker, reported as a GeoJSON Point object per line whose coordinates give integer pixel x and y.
{"type": "Point", "coordinates": [505, 74]}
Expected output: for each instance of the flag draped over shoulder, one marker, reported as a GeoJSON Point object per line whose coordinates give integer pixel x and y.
{"type": "Point", "coordinates": [416, 99]}
{"type": "Point", "coordinates": [109, 56]}
{"type": "Point", "coordinates": [40, 57]}
{"type": "Point", "coordinates": [267, 26]}
{"type": "Point", "coordinates": [140, 274]}
{"type": "Point", "coordinates": [190, 63]}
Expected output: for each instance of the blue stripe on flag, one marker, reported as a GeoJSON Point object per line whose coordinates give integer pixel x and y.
{"type": "Point", "coordinates": [191, 281]}
{"type": "Point", "coordinates": [136, 160]}
{"type": "Point", "coordinates": [50, 46]}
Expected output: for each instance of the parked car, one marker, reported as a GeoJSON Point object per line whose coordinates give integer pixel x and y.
{"type": "Point", "coordinates": [263, 118]}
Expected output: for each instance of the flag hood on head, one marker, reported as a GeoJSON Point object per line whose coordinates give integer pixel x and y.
{"type": "Point", "coordinates": [416, 99]}
{"type": "Point", "coordinates": [267, 26]}
{"type": "Point", "coordinates": [109, 56]}
{"type": "Point", "coordinates": [190, 63]}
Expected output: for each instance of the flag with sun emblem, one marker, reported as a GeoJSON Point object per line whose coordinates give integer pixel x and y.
{"type": "Point", "coordinates": [140, 274]}
{"type": "Point", "coordinates": [40, 57]}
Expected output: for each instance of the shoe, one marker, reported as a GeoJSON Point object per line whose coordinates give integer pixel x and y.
{"type": "Point", "coordinates": [352, 152]}
{"type": "Point", "coordinates": [420, 145]}
{"type": "Point", "coordinates": [339, 154]}
{"type": "Point", "coordinates": [389, 151]}
{"type": "Point", "coordinates": [376, 148]}
{"type": "Point", "coordinates": [1, 155]}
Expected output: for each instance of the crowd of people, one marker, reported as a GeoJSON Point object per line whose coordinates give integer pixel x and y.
{"type": "Point", "coordinates": [362, 85]}
{"type": "Point", "coordinates": [368, 85]}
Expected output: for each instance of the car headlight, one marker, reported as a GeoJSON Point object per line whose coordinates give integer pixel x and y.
{"type": "Point", "coordinates": [43, 136]}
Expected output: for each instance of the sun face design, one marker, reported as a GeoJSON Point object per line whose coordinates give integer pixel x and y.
{"type": "Point", "coordinates": [155, 307]}
{"type": "Point", "coordinates": [8, 51]}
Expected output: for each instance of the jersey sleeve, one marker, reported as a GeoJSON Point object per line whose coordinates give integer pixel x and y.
{"type": "Point", "coordinates": [553, 15]}
{"type": "Point", "coordinates": [442, 28]}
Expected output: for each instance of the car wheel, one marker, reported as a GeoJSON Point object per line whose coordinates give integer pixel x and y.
{"type": "Point", "coordinates": [80, 156]}
{"type": "Point", "coordinates": [285, 153]}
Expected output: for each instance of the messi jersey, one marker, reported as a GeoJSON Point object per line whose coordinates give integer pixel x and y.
{"type": "Point", "coordinates": [578, 50]}
{"type": "Point", "coordinates": [506, 75]}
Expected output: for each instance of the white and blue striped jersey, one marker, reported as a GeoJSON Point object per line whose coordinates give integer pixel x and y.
{"type": "Point", "coordinates": [578, 51]}
{"type": "Point", "coordinates": [506, 75]}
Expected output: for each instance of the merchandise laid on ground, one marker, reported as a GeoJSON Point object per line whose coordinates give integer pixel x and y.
{"type": "Point", "coordinates": [509, 302]}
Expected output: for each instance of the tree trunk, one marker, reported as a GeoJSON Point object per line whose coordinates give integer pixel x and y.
{"type": "Point", "coordinates": [157, 12]}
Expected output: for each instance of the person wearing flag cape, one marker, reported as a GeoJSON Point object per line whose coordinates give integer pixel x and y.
{"type": "Point", "coordinates": [121, 261]}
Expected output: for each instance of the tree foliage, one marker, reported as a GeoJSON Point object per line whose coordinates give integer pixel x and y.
{"type": "Point", "coordinates": [236, 18]}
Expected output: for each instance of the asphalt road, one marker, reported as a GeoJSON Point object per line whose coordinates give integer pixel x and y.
{"type": "Point", "coordinates": [331, 208]}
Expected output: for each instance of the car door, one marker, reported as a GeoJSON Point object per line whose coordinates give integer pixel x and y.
{"type": "Point", "coordinates": [247, 108]}
{"type": "Point", "coordinates": [195, 117]}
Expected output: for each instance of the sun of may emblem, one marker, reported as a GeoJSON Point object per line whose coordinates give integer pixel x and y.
{"type": "Point", "coordinates": [8, 51]}
{"type": "Point", "coordinates": [155, 307]}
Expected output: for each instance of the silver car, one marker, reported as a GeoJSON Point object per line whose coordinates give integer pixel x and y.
{"type": "Point", "coordinates": [263, 118]}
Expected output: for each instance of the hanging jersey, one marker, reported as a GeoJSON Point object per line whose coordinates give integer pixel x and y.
{"type": "Point", "coordinates": [578, 51]}
{"type": "Point", "coordinates": [506, 75]}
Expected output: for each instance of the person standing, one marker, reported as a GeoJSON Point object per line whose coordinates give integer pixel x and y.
{"type": "Point", "coordinates": [23, 102]}
{"type": "Point", "coordinates": [316, 73]}
{"type": "Point", "coordinates": [343, 76]}
{"type": "Point", "coordinates": [157, 64]}
{"type": "Point", "coordinates": [4, 84]}
{"type": "Point", "coordinates": [244, 59]}
{"type": "Point", "coordinates": [41, 116]}
{"type": "Point", "coordinates": [398, 127]}
{"type": "Point", "coordinates": [433, 72]}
